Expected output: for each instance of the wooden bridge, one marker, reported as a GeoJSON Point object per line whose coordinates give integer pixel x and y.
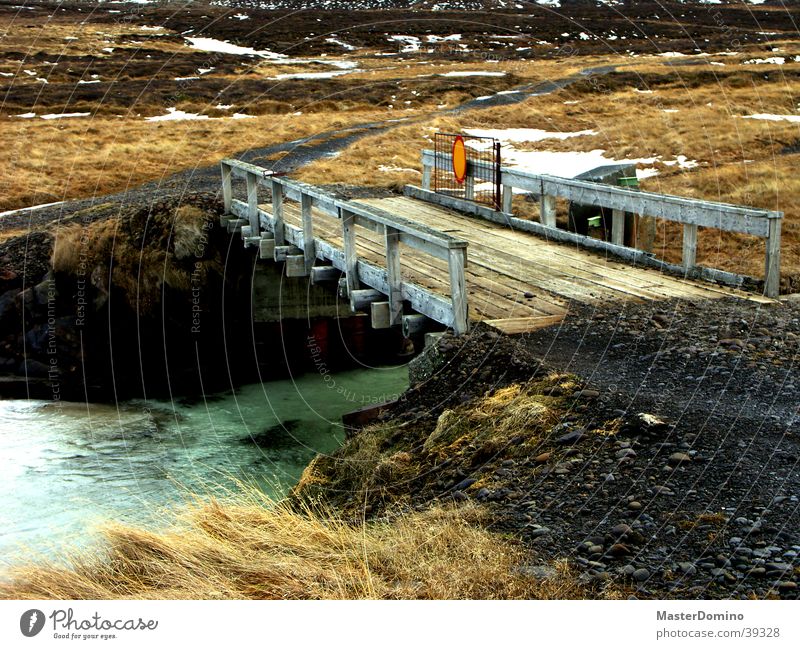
{"type": "Point", "coordinates": [407, 259]}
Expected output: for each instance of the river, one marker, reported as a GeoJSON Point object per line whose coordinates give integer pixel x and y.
{"type": "Point", "coordinates": [66, 468]}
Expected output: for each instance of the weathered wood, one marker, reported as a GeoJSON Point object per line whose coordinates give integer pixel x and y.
{"type": "Point", "coordinates": [511, 326]}
{"type": "Point", "coordinates": [547, 210]}
{"type": "Point", "coordinates": [458, 290]}
{"type": "Point", "coordinates": [427, 170]}
{"type": "Point", "coordinates": [350, 253]}
{"type": "Point", "coordinates": [227, 187]}
{"type": "Point", "coordinates": [469, 188]}
{"type": "Point", "coordinates": [251, 241]}
{"type": "Point", "coordinates": [310, 254]}
{"type": "Point", "coordinates": [321, 274]}
{"type": "Point", "coordinates": [508, 198]}
{"type": "Point", "coordinates": [380, 315]}
{"type": "Point", "coordinates": [296, 266]}
{"type": "Point", "coordinates": [266, 248]}
{"type": "Point", "coordinates": [235, 225]}
{"type": "Point", "coordinates": [415, 324]}
{"type": "Point", "coordinates": [393, 276]}
{"type": "Point", "coordinates": [618, 227]}
{"type": "Point", "coordinates": [689, 259]}
{"type": "Point", "coordinates": [277, 212]}
{"type": "Point", "coordinates": [361, 298]}
{"type": "Point", "coordinates": [451, 202]}
{"type": "Point", "coordinates": [252, 204]}
{"type": "Point", "coordinates": [245, 231]}
{"type": "Point", "coordinates": [772, 263]}
{"type": "Point", "coordinates": [281, 253]}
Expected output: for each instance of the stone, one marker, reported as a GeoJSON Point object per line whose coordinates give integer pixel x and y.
{"type": "Point", "coordinates": [634, 505]}
{"type": "Point", "coordinates": [570, 438]}
{"type": "Point", "coordinates": [679, 458]}
{"type": "Point", "coordinates": [640, 575]}
{"type": "Point", "coordinates": [621, 530]}
{"type": "Point", "coordinates": [542, 458]}
{"type": "Point", "coordinates": [619, 550]}
{"type": "Point", "coordinates": [587, 394]}
{"type": "Point", "coordinates": [687, 568]}
{"type": "Point", "coordinates": [465, 484]}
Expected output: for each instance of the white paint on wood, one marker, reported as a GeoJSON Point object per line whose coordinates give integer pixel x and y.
{"type": "Point", "coordinates": [689, 259]}
{"type": "Point", "coordinates": [547, 210]}
{"type": "Point", "coordinates": [618, 227]}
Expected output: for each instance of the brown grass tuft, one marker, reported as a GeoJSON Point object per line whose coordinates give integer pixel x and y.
{"type": "Point", "coordinates": [255, 549]}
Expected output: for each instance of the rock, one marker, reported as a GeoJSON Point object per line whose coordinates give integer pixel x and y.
{"type": "Point", "coordinates": [32, 368]}
{"type": "Point", "coordinates": [679, 458]}
{"type": "Point", "coordinates": [634, 505]}
{"type": "Point", "coordinates": [625, 453]}
{"type": "Point", "coordinates": [640, 575]}
{"type": "Point", "coordinates": [619, 550]}
{"type": "Point", "coordinates": [570, 438]}
{"type": "Point", "coordinates": [542, 458]}
{"type": "Point", "coordinates": [645, 424]}
{"type": "Point", "coordinates": [586, 394]}
{"type": "Point", "coordinates": [459, 496]}
{"type": "Point", "coordinates": [482, 493]}
{"type": "Point", "coordinates": [786, 586]}
{"type": "Point", "coordinates": [687, 568]}
{"type": "Point", "coordinates": [621, 530]}
{"type": "Point", "coordinates": [540, 531]}
{"type": "Point", "coordinates": [466, 483]}
{"type": "Point", "coordinates": [528, 295]}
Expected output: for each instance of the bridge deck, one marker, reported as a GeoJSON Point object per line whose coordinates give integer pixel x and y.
{"type": "Point", "coordinates": [506, 265]}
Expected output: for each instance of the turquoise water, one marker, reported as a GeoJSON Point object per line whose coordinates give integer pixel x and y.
{"type": "Point", "coordinates": [67, 468]}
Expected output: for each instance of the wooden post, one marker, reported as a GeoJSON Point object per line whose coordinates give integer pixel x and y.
{"type": "Point", "coordinates": [350, 253]}
{"type": "Point", "coordinates": [393, 277]}
{"type": "Point", "coordinates": [689, 259]}
{"type": "Point", "coordinates": [308, 231]}
{"type": "Point", "coordinates": [469, 188]}
{"type": "Point", "coordinates": [277, 213]}
{"type": "Point", "coordinates": [547, 210]}
{"type": "Point", "coordinates": [618, 227]}
{"type": "Point", "coordinates": [227, 191]}
{"type": "Point", "coordinates": [252, 205]}
{"type": "Point", "coordinates": [426, 176]}
{"type": "Point", "coordinates": [508, 198]}
{"type": "Point", "coordinates": [457, 261]}
{"type": "Point", "coordinates": [772, 264]}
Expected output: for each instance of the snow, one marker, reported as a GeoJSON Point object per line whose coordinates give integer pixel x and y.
{"type": "Point", "coordinates": [774, 118]}
{"type": "Point", "coordinates": [30, 209]}
{"type": "Point", "coordinates": [395, 168]}
{"type": "Point", "coordinates": [432, 38]}
{"type": "Point", "coordinates": [336, 41]}
{"type": "Point", "coordinates": [411, 43]}
{"type": "Point", "coordinates": [672, 55]}
{"type": "Point", "coordinates": [60, 115]}
{"type": "Point", "coordinates": [174, 114]}
{"type": "Point", "coordinates": [84, 81]}
{"type": "Point", "coordinates": [773, 60]}
{"type": "Point", "coordinates": [26, 115]}
{"type": "Point", "coordinates": [224, 47]}
{"type": "Point", "coordinates": [186, 78]}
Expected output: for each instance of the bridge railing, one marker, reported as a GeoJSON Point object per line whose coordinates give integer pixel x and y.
{"type": "Point", "coordinates": [691, 213]}
{"type": "Point", "coordinates": [300, 249]}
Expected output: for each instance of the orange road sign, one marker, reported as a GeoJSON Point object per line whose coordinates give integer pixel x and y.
{"type": "Point", "coordinates": [459, 160]}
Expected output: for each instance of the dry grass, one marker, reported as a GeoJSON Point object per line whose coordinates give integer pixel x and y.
{"type": "Point", "coordinates": [64, 159]}
{"type": "Point", "coordinates": [138, 254]}
{"type": "Point", "coordinates": [254, 549]}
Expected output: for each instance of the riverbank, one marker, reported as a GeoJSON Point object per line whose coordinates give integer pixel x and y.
{"type": "Point", "coordinates": [650, 452]}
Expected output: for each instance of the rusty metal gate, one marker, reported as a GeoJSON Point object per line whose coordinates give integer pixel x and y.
{"type": "Point", "coordinates": [467, 167]}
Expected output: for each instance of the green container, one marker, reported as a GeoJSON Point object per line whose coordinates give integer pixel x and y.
{"type": "Point", "coordinates": [594, 221]}
{"type": "Point", "coordinates": [629, 181]}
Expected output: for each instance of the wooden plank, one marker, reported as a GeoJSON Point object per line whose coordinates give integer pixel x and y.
{"type": "Point", "coordinates": [618, 227]}
{"type": "Point", "coordinates": [547, 210]}
{"type": "Point", "coordinates": [252, 205]}
{"type": "Point", "coordinates": [393, 273]}
{"type": "Point", "coordinates": [266, 248]}
{"type": "Point", "coordinates": [380, 315]}
{"type": "Point", "coordinates": [277, 213]}
{"type": "Point", "coordinates": [360, 299]}
{"type": "Point", "coordinates": [508, 198]}
{"type": "Point", "coordinates": [322, 274]}
{"type": "Point", "coordinates": [458, 290]}
{"type": "Point", "coordinates": [689, 258]}
{"type": "Point", "coordinates": [308, 231]}
{"type": "Point", "coordinates": [227, 187]}
{"type": "Point", "coordinates": [296, 266]}
{"type": "Point", "coordinates": [350, 253]}
{"type": "Point", "coordinates": [772, 263]}
{"type": "Point", "coordinates": [524, 325]}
